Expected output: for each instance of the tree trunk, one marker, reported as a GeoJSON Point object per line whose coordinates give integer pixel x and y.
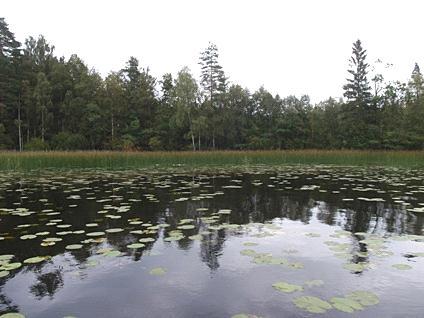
{"type": "Point", "coordinates": [19, 124]}
{"type": "Point", "coordinates": [112, 130]}
{"type": "Point", "coordinates": [191, 132]}
{"type": "Point", "coordinates": [42, 125]}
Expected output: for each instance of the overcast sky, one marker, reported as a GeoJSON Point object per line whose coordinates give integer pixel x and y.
{"type": "Point", "coordinates": [290, 47]}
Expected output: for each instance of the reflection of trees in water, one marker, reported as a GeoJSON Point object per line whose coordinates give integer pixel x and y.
{"type": "Point", "coordinates": [211, 248]}
{"type": "Point", "coordinates": [47, 284]}
{"type": "Point", "coordinates": [6, 303]}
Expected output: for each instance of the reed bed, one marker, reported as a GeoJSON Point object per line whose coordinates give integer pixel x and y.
{"type": "Point", "coordinates": [15, 161]}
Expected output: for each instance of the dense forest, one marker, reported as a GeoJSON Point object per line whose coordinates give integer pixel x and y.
{"type": "Point", "coordinates": [49, 102]}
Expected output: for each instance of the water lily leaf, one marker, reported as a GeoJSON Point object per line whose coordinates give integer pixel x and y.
{"type": "Point", "coordinates": [173, 238]}
{"type": "Point", "coordinates": [286, 287]}
{"type": "Point", "coordinates": [402, 267]}
{"type": "Point", "coordinates": [52, 239]}
{"type": "Point", "coordinates": [248, 252]}
{"type": "Point", "coordinates": [115, 230]}
{"type": "Point", "coordinates": [346, 304]}
{"type": "Point", "coordinates": [146, 240]}
{"type": "Point", "coordinates": [355, 267]}
{"type": "Point", "coordinates": [138, 232]}
{"type": "Point", "coordinates": [28, 237]}
{"type": "Point", "coordinates": [365, 298]}
{"type": "Point", "coordinates": [4, 273]}
{"type": "Point", "coordinates": [312, 304]}
{"type": "Point", "coordinates": [73, 246]}
{"type": "Point", "coordinates": [196, 237]}
{"type": "Point", "coordinates": [158, 271]}
{"type": "Point", "coordinates": [136, 245]}
{"type": "Point", "coordinates": [250, 244]}
{"type": "Point", "coordinates": [93, 234]}
{"type": "Point", "coordinates": [186, 227]}
{"type": "Point", "coordinates": [11, 266]}
{"type": "Point", "coordinates": [12, 315]}
{"type": "Point", "coordinates": [36, 259]}
{"type": "Point", "coordinates": [112, 253]}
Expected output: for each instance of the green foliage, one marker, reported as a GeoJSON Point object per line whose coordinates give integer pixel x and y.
{"type": "Point", "coordinates": [69, 141]}
{"type": "Point", "coordinates": [65, 104]}
{"type": "Point", "coordinates": [36, 144]}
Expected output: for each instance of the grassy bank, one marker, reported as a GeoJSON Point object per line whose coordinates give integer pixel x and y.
{"type": "Point", "coordinates": [14, 161]}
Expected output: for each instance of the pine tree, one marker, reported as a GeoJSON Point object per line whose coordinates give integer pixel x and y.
{"type": "Point", "coordinates": [357, 88]}
{"type": "Point", "coordinates": [214, 84]}
{"type": "Point", "coordinates": [359, 113]}
{"type": "Point", "coordinates": [8, 42]}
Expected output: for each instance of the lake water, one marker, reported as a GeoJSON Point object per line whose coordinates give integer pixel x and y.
{"type": "Point", "coordinates": [299, 241]}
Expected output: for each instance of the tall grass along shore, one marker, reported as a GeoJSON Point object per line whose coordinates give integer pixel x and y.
{"type": "Point", "coordinates": [15, 161]}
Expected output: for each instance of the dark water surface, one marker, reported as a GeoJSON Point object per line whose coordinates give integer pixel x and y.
{"type": "Point", "coordinates": [327, 231]}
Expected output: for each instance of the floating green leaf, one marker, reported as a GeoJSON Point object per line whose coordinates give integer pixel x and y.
{"type": "Point", "coordinates": [365, 298]}
{"type": "Point", "coordinates": [286, 287]}
{"type": "Point", "coordinates": [12, 315]}
{"type": "Point", "coordinates": [35, 260]}
{"type": "Point", "coordinates": [158, 271]}
{"type": "Point", "coordinates": [4, 273]}
{"type": "Point", "coordinates": [312, 304]}
{"type": "Point", "coordinates": [73, 246]}
{"type": "Point", "coordinates": [346, 304]}
{"type": "Point", "coordinates": [136, 245]}
{"type": "Point", "coordinates": [146, 240]}
{"type": "Point", "coordinates": [402, 267]}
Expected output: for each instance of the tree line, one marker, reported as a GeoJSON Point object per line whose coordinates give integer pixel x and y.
{"type": "Point", "coordinates": [49, 102]}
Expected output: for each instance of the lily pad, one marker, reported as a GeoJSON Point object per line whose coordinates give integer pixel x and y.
{"type": "Point", "coordinates": [312, 304]}
{"type": "Point", "coordinates": [35, 260]}
{"type": "Point", "coordinates": [146, 240]}
{"type": "Point", "coordinates": [365, 298]}
{"type": "Point", "coordinates": [4, 273]}
{"type": "Point", "coordinates": [12, 315]}
{"type": "Point", "coordinates": [248, 252]}
{"type": "Point", "coordinates": [186, 227]}
{"type": "Point", "coordinates": [158, 271]}
{"type": "Point", "coordinates": [11, 266]}
{"type": "Point", "coordinates": [93, 234]}
{"type": "Point", "coordinates": [136, 245]}
{"type": "Point", "coordinates": [28, 237]}
{"type": "Point", "coordinates": [115, 230]}
{"type": "Point", "coordinates": [286, 287]}
{"type": "Point", "coordinates": [345, 304]}
{"type": "Point", "coordinates": [402, 267]}
{"type": "Point", "coordinates": [73, 246]}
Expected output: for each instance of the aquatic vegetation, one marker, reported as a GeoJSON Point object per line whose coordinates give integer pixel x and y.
{"type": "Point", "coordinates": [158, 271]}
{"type": "Point", "coordinates": [402, 266]}
{"type": "Point", "coordinates": [35, 259]}
{"type": "Point", "coordinates": [286, 287]}
{"type": "Point", "coordinates": [348, 305]}
{"type": "Point", "coordinates": [250, 223]}
{"type": "Point", "coordinates": [12, 315]}
{"type": "Point", "coordinates": [365, 298]}
{"type": "Point", "coordinates": [135, 245]}
{"type": "Point", "coordinates": [312, 304]}
{"type": "Point", "coordinates": [74, 246]}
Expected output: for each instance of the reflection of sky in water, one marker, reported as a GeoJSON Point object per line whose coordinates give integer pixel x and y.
{"type": "Point", "coordinates": [210, 278]}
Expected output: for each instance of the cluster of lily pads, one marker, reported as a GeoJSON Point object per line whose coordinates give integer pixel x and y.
{"type": "Point", "coordinates": [49, 225]}
{"type": "Point", "coordinates": [356, 300]}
